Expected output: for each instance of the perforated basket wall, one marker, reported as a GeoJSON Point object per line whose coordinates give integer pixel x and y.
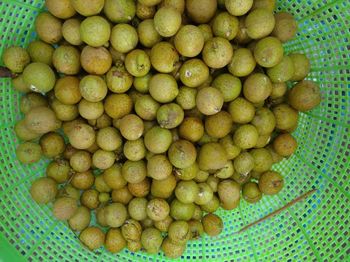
{"type": "Point", "coordinates": [317, 229]}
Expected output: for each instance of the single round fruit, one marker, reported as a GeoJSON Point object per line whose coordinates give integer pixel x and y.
{"type": "Point", "coordinates": [246, 136]}
{"type": "Point", "coordinates": [16, 59]}
{"type": "Point", "coordinates": [92, 237]}
{"type": "Point", "coordinates": [209, 100]}
{"type": "Point", "coordinates": [251, 192]}
{"type": "Point", "coordinates": [64, 208]}
{"type": "Point", "coordinates": [95, 31]}
{"type": "Point", "coordinates": [43, 190]}
{"type": "Point", "coordinates": [201, 11]}
{"type": "Point", "coordinates": [286, 27]}
{"type": "Point", "coordinates": [260, 23]}
{"type": "Point", "coordinates": [28, 153]}
{"type": "Point", "coordinates": [217, 52]}
{"type": "Point", "coordinates": [212, 224]}
{"type": "Point", "coordinates": [167, 21]}
{"type": "Point", "coordinates": [268, 52]}
{"type": "Point", "coordinates": [304, 96]}
{"type": "Point", "coordinates": [39, 77]}
{"type": "Point", "coordinates": [285, 145]}
{"type": "Point", "coordinates": [270, 183]}
{"type": "Point", "coordinates": [212, 156]}
{"type": "Point", "coordinates": [189, 41]}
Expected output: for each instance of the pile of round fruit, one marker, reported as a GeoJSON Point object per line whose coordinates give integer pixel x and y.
{"type": "Point", "coordinates": [170, 109]}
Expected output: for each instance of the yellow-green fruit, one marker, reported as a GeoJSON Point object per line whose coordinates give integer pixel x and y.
{"type": "Point", "coordinates": [209, 100]}
{"type": "Point", "coordinates": [71, 31]}
{"type": "Point", "coordinates": [88, 8]}
{"type": "Point", "coordinates": [286, 27]}
{"type": "Point", "coordinates": [48, 28]}
{"type": "Point", "coordinates": [124, 38]}
{"type": "Point", "coordinates": [243, 62]}
{"type": "Point", "coordinates": [270, 183]}
{"type": "Point", "coordinates": [92, 237]}
{"type": "Point", "coordinates": [225, 25]}
{"type": "Point", "coordinates": [229, 85]}
{"type": "Point", "coordinates": [118, 105]}
{"type": "Point", "coordinates": [66, 60]}
{"type": "Point", "coordinates": [164, 57]}
{"type": "Point", "coordinates": [167, 21]}
{"type": "Point", "coordinates": [148, 34]}
{"type": "Point", "coordinates": [201, 11]}
{"type": "Point", "coordinates": [41, 120]}
{"type": "Point", "coordinates": [268, 52]}
{"type": "Point", "coordinates": [217, 52]}
{"type": "Point", "coordinates": [62, 9]}
{"type": "Point", "coordinates": [96, 60]}
{"type": "Point", "coordinates": [257, 88]}
{"type": "Point", "coordinates": [138, 63]}
{"type": "Point", "coordinates": [212, 156]}
{"type": "Point", "coordinates": [179, 5]}
{"type": "Point", "coordinates": [39, 77]}
{"type": "Point", "coordinates": [16, 59]}
{"type": "Point", "coordinates": [301, 66]}
{"type": "Point", "coordinates": [260, 23]}
{"type": "Point", "coordinates": [64, 208]}
{"type": "Point", "coordinates": [194, 72]}
{"type": "Point", "coordinates": [120, 11]}
{"type": "Point", "coordinates": [238, 7]}
{"type": "Point", "coordinates": [212, 224]}
{"type": "Point", "coordinates": [189, 41]}
{"type": "Point", "coordinates": [43, 190]}
{"type": "Point", "coordinates": [95, 31]}
{"type": "Point", "coordinates": [283, 71]}
{"type": "Point", "coordinates": [246, 136]}
{"type": "Point", "coordinates": [163, 88]}
{"type": "Point", "coordinates": [267, 4]}
{"type": "Point", "coordinates": [304, 96]}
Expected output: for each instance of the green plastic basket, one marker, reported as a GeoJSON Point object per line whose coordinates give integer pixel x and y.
{"type": "Point", "coordinates": [316, 229]}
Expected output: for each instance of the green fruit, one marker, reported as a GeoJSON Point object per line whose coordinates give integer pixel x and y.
{"type": "Point", "coordinates": [96, 61]}
{"type": "Point", "coordinates": [163, 88]}
{"type": "Point", "coordinates": [92, 237]}
{"type": "Point", "coordinates": [157, 209]}
{"type": "Point", "coordinates": [229, 192]}
{"type": "Point", "coordinates": [268, 52]}
{"type": "Point", "coordinates": [186, 191]}
{"type": "Point", "coordinates": [118, 105]}
{"type": "Point", "coordinates": [116, 214]}
{"type": "Point", "coordinates": [264, 121]}
{"type": "Point", "coordinates": [186, 98]}
{"type": "Point", "coordinates": [151, 240]}
{"type": "Point", "coordinates": [16, 59]}
{"type": "Point", "coordinates": [246, 136]}
{"type": "Point", "coordinates": [137, 208]}
{"type": "Point", "coordinates": [179, 232]}
{"type": "Point", "coordinates": [285, 145]}
{"type": "Point", "coordinates": [209, 100]}
{"type": "Point", "coordinates": [148, 34]}
{"type": "Point", "coordinates": [146, 108]}
{"type": "Point", "coordinates": [181, 211]}
{"type": "Point", "coordinates": [172, 250]}
{"type": "Point", "coordinates": [80, 220]}
{"type": "Point", "coordinates": [118, 79]}
{"type": "Point", "coordinates": [124, 38]}
{"type": "Point", "coordinates": [164, 57]}
{"type": "Point", "coordinates": [257, 88]}
{"type": "Point", "coordinates": [225, 172]}
{"type": "Point", "coordinates": [238, 7]}
{"type": "Point", "coordinates": [30, 101]}
{"type": "Point", "coordinates": [88, 8]}
{"type": "Point", "coordinates": [95, 31]}
{"type": "Point", "coordinates": [170, 115]}
{"type": "Point", "coordinates": [283, 71]}
{"type": "Point", "coordinates": [131, 230]}
{"type": "Point", "coordinates": [212, 205]}
{"type": "Point", "coordinates": [230, 86]}
{"type": "Point", "coordinates": [93, 88]}
{"type": "Point", "coordinates": [43, 190]}
{"type": "Point", "coordinates": [212, 156]}
{"type": "Point", "coordinates": [286, 27]}
{"type": "Point", "coordinates": [225, 25]}
{"type": "Point", "coordinates": [251, 192]}
{"type": "Point", "coordinates": [61, 9]}
{"type": "Point", "coordinates": [267, 4]}
{"type": "Point", "coordinates": [232, 151]}
{"type": "Point", "coordinates": [115, 241]}
{"type": "Point", "coordinates": [120, 11]}
{"type": "Point", "coordinates": [138, 63]}
{"type": "Point", "coordinates": [206, 31]}
{"type": "Point", "coordinates": [145, 12]}
{"type": "Point", "coordinates": [187, 173]}
{"type": "Point", "coordinates": [64, 208]}
{"type": "Point", "coordinates": [262, 159]}
{"type": "Point", "coordinates": [241, 110]}
{"type": "Point", "coordinates": [301, 66]}
{"type": "Point", "coordinates": [242, 63]}
{"type": "Point", "coordinates": [189, 41]}
{"type": "Point", "coordinates": [212, 224]}
{"type": "Point", "coordinates": [158, 140]}
{"type": "Point", "coordinates": [270, 183]}
{"type": "Point", "coordinates": [52, 144]}
{"type": "Point", "coordinates": [218, 125]}
{"type": "Point", "coordinates": [48, 28]}
{"type": "Point", "coordinates": [201, 11]}
{"type": "Point", "coordinates": [39, 77]}
{"type": "Point", "coordinates": [167, 21]}
{"type": "Point", "coordinates": [304, 96]}
{"type": "Point", "coordinates": [244, 163]}
{"type": "Point", "coordinates": [217, 52]}
{"type": "Point", "coordinates": [23, 133]}
{"type": "Point", "coordinates": [66, 60]}
{"type": "Point", "coordinates": [182, 154]}
{"type": "Point", "coordinates": [286, 116]}
{"type": "Point", "coordinates": [260, 23]}
{"type": "Point", "coordinates": [71, 31]}
{"type": "Point", "coordinates": [194, 72]}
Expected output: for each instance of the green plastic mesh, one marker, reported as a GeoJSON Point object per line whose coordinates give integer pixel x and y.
{"type": "Point", "coordinates": [313, 230]}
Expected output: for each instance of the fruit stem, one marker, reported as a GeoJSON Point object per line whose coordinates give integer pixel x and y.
{"type": "Point", "coordinates": [291, 203]}
{"type": "Point", "coordinates": [6, 73]}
